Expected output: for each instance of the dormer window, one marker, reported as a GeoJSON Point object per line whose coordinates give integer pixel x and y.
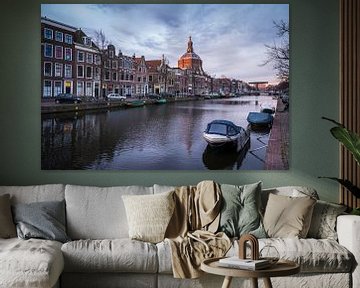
{"type": "Point", "coordinates": [87, 41]}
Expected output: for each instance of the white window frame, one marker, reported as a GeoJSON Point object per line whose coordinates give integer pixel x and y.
{"type": "Point", "coordinates": [97, 59]}
{"type": "Point", "coordinates": [88, 89]}
{"type": "Point", "coordinates": [51, 68]}
{"type": "Point", "coordinates": [89, 58]}
{"type": "Point", "coordinates": [66, 69]}
{"type": "Point", "coordinates": [62, 52]}
{"type": "Point", "coordinates": [92, 72]}
{"type": "Point", "coordinates": [114, 64]}
{"type": "Point", "coordinates": [46, 35]}
{"type": "Point", "coordinates": [45, 49]}
{"type": "Point", "coordinates": [48, 89]}
{"type": "Point", "coordinates": [78, 56]}
{"type": "Point", "coordinates": [77, 71]}
{"type": "Point", "coordinates": [106, 73]}
{"type": "Point", "coordinates": [59, 36]}
{"type": "Point", "coordinates": [57, 91]}
{"type": "Point", "coordinates": [80, 92]}
{"type": "Point", "coordinates": [116, 76]}
{"type": "Point", "coordinates": [68, 39]}
{"type": "Point", "coordinates": [60, 67]}
{"type": "Point", "coordinates": [68, 49]}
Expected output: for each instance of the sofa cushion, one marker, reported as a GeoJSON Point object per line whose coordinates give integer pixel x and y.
{"type": "Point", "coordinates": [149, 215]}
{"type": "Point", "coordinates": [43, 220]}
{"type": "Point", "coordinates": [98, 213]}
{"type": "Point", "coordinates": [291, 191]}
{"type": "Point", "coordinates": [323, 222]}
{"type": "Point", "coordinates": [7, 226]}
{"type": "Point", "coordinates": [313, 255]}
{"type": "Point", "coordinates": [30, 263]}
{"type": "Point", "coordinates": [287, 216]}
{"type": "Point", "coordinates": [240, 212]}
{"type": "Point", "coordinates": [35, 193]}
{"type": "Point", "coordinates": [117, 255]}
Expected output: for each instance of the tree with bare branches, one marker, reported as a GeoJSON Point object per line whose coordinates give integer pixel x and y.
{"type": "Point", "coordinates": [278, 54]}
{"type": "Point", "coordinates": [100, 39]}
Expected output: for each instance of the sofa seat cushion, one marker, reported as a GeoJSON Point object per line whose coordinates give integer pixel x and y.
{"type": "Point", "coordinates": [30, 263]}
{"type": "Point", "coordinates": [313, 255]}
{"type": "Point", "coordinates": [110, 255]}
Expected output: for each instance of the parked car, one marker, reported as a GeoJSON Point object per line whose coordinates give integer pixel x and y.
{"type": "Point", "coordinates": [115, 96]}
{"type": "Point", "coordinates": [67, 98]}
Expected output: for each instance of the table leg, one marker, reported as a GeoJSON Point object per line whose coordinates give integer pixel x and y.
{"type": "Point", "coordinates": [267, 283]}
{"type": "Point", "coordinates": [254, 282]}
{"type": "Point", "coordinates": [227, 282]}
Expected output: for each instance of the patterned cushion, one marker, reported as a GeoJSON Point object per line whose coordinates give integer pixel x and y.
{"type": "Point", "coordinates": [149, 215]}
{"type": "Point", "coordinates": [323, 223]}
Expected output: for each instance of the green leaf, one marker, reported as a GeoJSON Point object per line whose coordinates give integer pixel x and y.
{"type": "Point", "coordinates": [347, 184]}
{"type": "Point", "coordinates": [349, 139]}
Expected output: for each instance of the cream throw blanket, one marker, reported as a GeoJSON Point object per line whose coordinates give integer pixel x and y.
{"type": "Point", "coordinates": [191, 231]}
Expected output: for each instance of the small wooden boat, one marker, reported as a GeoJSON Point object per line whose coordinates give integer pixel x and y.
{"type": "Point", "coordinates": [260, 119]}
{"type": "Point", "coordinates": [219, 133]}
{"type": "Point", "coordinates": [135, 103]}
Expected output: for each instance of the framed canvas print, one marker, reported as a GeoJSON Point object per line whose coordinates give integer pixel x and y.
{"type": "Point", "coordinates": [165, 86]}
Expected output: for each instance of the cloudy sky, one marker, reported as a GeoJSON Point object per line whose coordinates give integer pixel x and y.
{"type": "Point", "coordinates": [229, 38]}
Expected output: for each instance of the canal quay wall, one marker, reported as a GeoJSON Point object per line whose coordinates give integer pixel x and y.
{"type": "Point", "coordinates": [52, 107]}
{"type": "Point", "coordinates": [277, 153]}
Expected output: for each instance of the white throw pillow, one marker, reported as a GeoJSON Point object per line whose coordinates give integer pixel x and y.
{"type": "Point", "coordinates": [149, 215]}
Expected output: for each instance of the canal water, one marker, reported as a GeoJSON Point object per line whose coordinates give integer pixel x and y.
{"type": "Point", "coordinates": [152, 137]}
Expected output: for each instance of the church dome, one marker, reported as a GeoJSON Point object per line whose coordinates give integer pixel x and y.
{"type": "Point", "coordinates": [190, 60]}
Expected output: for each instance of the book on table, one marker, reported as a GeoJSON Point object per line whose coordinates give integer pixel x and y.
{"type": "Point", "coordinates": [249, 264]}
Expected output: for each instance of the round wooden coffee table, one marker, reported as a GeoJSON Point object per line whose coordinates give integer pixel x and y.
{"type": "Point", "coordinates": [281, 268]}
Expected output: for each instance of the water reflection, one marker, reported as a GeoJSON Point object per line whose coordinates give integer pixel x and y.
{"type": "Point", "coordinates": [157, 137]}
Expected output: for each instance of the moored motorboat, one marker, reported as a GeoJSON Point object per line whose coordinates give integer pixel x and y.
{"type": "Point", "coordinates": [219, 133]}
{"type": "Point", "coordinates": [135, 103]}
{"type": "Point", "coordinates": [259, 119]}
{"type": "Point", "coordinates": [161, 101]}
{"type": "Point", "coordinates": [267, 108]}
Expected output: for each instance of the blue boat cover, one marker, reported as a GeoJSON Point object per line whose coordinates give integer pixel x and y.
{"type": "Point", "coordinates": [259, 118]}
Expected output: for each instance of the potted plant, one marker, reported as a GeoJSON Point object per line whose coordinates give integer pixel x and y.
{"type": "Point", "coordinates": [351, 141]}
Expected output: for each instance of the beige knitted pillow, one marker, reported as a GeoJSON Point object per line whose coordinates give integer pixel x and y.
{"type": "Point", "coordinates": [149, 215]}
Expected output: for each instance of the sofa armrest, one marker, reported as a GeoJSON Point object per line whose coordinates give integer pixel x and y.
{"type": "Point", "coordinates": [348, 230]}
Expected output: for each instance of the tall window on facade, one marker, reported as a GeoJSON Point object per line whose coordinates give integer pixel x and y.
{"type": "Point", "coordinates": [80, 56]}
{"type": "Point", "coordinates": [58, 69]}
{"type": "Point", "coordinates": [47, 88]}
{"type": "Point", "coordinates": [47, 69]}
{"type": "Point", "coordinates": [59, 36]}
{"type": "Point", "coordinates": [58, 52]}
{"type": "Point", "coordinates": [80, 88]}
{"type": "Point", "coordinates": [68, 39]}
{"type": "Point", "coordinates": [48, 50]}
{"type": "Point", "coordinates": [68, 54]}
{"type": "Point", "coordinates": [89, 72]}
{"type": "Point", "coordinates": [48, 33]}
{"type": "Point", "coordinates": [114, 76]}
{"type": "Point", "coordinates": [114, 64]}
{"type": "Point", "coordinates": [68, 71]}
{"type": "Point", "coordinates": [80, 71]}
{"type": "Point", "coordinates": [97, 59]}
{"type": "Point", "coordinates": [57, 87]}
{"type": "Point", "coordinates": [107, 75]}
{"type": "Point", "coordinates": [97, 73]}
{"type": "Point", "coordinates": [89, 58]}
{"type": "Point", "coordinates": [88, 88]}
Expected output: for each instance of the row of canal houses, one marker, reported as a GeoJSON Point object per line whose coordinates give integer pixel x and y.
{"type": "Point", "coordinates": [72, 63]}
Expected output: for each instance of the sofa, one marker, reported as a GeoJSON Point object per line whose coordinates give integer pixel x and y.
{"type": "Point", "coordinates": [99, 252]}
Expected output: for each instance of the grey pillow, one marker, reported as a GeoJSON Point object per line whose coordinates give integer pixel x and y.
{"type": "Point", "coordinates": [7, 226]}
{"type": "Point", "coordinates": [44, 220]}
{"type": "Point", "coordinates": [323, 222]}
{"type": "Point", "coordinates": [240, 213]}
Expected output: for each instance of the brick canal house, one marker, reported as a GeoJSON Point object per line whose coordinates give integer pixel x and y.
{"type": "Point", "coordinates": [141, 77]}
{"type": "Point", "coordinates": [57, 58]}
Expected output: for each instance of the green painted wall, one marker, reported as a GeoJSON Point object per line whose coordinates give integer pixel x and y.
{"type": "Point", "coordinates": [314, 93]}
